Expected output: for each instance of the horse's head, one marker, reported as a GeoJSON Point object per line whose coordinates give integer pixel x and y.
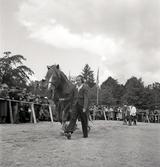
{"type": "Point", "coordinates": [52, 79]}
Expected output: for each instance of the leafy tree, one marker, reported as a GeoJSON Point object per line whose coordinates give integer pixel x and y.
{"type": "Point", "coordinates": [37, 88]}
{"type": "Point", "coordinates": [107, 96]}
{"type": "Point", "coordinates": [88, 75]}
{"type": "Point", "coordinates": [112, 92]}
{"type": "Point", "coordinates": [154, 91]}
{"type": "Point", "coordinates": [134, 92]}
{"type": "Point", "coordinates": [93, 95]}
{"type": "Point", "coordinates": [109, 82]}
{"type": "Point", "coordinates": [12, 70]}
{"type": "Point", "coordinates": [148, 99]}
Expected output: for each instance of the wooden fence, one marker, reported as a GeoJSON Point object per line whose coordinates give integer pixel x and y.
{"type": "Point", "coordinates": [32, 116]}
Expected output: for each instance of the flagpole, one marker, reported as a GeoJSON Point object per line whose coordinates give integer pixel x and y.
{"type": "Point", "coordinates": [97, 84]}
{"type": "Point", "coordinates": [97, 94]}
{"type": "Point", "coordinates": [69, 77]}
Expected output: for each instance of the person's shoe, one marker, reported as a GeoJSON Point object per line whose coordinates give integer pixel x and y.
{"type": "Point", "coordinates": [68, 135]}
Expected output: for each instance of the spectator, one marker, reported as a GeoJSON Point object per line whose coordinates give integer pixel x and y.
{"type": "Point", "coordinates": [95, 108]}
{"type": "Point", "coordinates": [45, 116]}
{"type": "Point", "coordinates": [22, 111]}
{"type": "Point", "coordinates": [13, 94]}
{"type": "Point", "coordinates": [37, 108]}
{"type": "Point", "coordinates": [27, 107]}
{"type": "Point", "coordinates": [3, 103]}
{"type": "Point", "coordinates": [24, 92]}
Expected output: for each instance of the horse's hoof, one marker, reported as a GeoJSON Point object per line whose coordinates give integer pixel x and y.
{"type": "Point", "coordinates": [68, 135]}
{"type": "Point", "coordinates": [61, 133]}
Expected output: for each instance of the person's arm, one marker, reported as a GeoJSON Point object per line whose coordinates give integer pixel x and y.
{"type": "Point", "coordinates": [86, 98]}
{"type": "Point", "coordinates": [69, 98]}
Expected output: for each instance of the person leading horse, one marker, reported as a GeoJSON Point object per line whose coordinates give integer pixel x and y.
{"type": "Point", "coordinates": [80, 98]}
{"type": "Point", "coordinates": [60, 88]}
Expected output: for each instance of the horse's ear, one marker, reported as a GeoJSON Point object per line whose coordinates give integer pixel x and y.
{"type": "Point", "coordinates": [48, 67]}
{"type": "Point", "coordinates": [57, 66]}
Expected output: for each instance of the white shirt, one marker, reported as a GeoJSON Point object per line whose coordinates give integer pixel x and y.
{"type": "Point", "coordinates": [133, 111]}
{"type": "Point", "coordinates": [79, 87]}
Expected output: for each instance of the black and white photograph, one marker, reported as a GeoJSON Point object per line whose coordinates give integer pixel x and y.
{"type": "Point", "coordinates": [79, 83]}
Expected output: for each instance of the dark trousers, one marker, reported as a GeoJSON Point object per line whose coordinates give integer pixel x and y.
{"type": "Point", "coordinates": [134, 120]}
{"type": "Point", "coordinates": [2, 119]}
{"type": "Point", "coordinates": [22, 115]}
{"type": "Point", "coordinates": [130, 119]}
{"type": "Point", "coordinates": [78, 111]}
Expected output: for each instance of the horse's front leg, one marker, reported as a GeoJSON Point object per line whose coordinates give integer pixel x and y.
{"type": "Point", "coordinates": [64, 125]}
{"type": "Point", "coordinates": [64, 119]}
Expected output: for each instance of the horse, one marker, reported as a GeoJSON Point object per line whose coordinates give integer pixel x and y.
{"type": "Point", "coordinates": [59, 87]}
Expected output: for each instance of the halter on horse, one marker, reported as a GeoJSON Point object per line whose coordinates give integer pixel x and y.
{"type": "Point", "coordinates": [59, 87]}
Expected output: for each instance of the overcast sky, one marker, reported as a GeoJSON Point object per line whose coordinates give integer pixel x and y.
{"type": "Point", "coordinates": [121, 37]}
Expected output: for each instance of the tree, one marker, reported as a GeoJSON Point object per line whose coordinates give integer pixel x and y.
{"type": "Point", "coordinates": [37, 88]}
{"type": "Point", "coordinates": [154, 91]}
{"type": "Point", "coordinates": [135, 92]}
{"type": "Point", "coordinates": [109, 82]}
{"type": "Point", "coordinates": [12, 70]}
{"type": "Point", "coordinates": [107, 96]}
{"type": "Point", "coordinates": [88, 75]}
{"type": "Point", "coordinates": [112, 92]}
{"type": "Point", "coordinates": [148, 99]}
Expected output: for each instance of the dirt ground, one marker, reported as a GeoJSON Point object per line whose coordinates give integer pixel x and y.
{"type": "Point", "coordinates": [110, 144]}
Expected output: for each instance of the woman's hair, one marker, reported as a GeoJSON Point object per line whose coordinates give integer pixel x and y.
{"type": "Point", "coordinates": [80, 76]}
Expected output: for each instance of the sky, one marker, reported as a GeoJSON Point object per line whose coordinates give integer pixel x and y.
{"type": "Point", "coordinates": [120, 37]}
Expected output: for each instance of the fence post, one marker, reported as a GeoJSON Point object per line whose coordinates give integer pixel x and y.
{"type": "Point", "coordinates": [10, 112]}
{"type": "Point", "coordinates": [104, 114]}
{"type": "Point", "coordinates": [50, 111]}
{"type": "Point", "coordinates": [33, 113]}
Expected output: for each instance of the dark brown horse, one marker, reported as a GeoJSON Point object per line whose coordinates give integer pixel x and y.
{"type": "Point", "coordinates": [59, 87]}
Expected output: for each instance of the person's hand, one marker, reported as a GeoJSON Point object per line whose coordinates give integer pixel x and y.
{"type": "Point", "coordinates": [84, 110]}
{"type": "Point", "coordinates": [61, 99]}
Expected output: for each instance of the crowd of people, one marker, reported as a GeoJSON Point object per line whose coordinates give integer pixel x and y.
{"type": "Point", "coordinates": [21, 108]}
{"type": "Point", "coordinates": [21, 105]}
{"type": "Point", "coordinates": [101, 112]}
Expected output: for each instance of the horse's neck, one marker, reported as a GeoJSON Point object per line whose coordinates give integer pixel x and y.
{"type": "Point", "coordinates": [65, 88]}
